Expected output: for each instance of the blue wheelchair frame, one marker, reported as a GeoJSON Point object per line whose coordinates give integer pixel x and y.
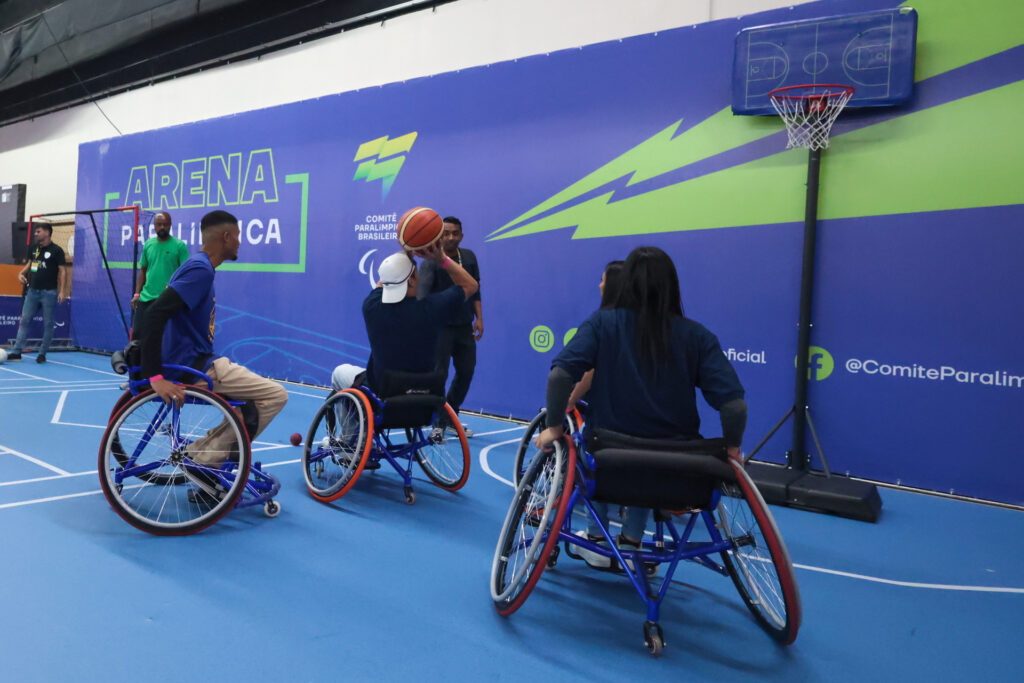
{"type": "Point", "coordinates": [260, 488]}
{"type": "Point", "coordinates": [723, 496]}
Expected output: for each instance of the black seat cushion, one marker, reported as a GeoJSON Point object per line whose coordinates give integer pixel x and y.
{"type": "Point", "coordinates": [656, 473]}
{"type": "Point", "coordinates": [410, 398]}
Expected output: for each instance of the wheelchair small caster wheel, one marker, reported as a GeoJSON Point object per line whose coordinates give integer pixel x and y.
{"type": "Point", "coordinates": [653, 638]}
{"type": "Point", "coordinates": [553, 557]}
{"type": "Point", "coordinates": [271, 508]}
{"type": "Point", "coordinates": [410, 496]}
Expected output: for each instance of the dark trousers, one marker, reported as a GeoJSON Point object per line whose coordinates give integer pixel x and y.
{"type": "Point", "coordinates": [140, 312]}
{"type": "Point", "coordinates": [457, 344]}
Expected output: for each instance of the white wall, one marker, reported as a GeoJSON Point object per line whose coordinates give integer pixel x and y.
{"type": "Point", "coordinates": [43, 153]}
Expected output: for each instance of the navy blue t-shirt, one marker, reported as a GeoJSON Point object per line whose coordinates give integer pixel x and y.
{"type": "Point", "coordinates": [189, 332]}
{"type": "Point", "coordinates": [625, 399]}
{"type": "Point", "coordinates": [403, 335]}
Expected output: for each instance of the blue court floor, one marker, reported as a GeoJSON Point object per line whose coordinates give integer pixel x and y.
{"type": "Point", "coordinates": [368, 588]}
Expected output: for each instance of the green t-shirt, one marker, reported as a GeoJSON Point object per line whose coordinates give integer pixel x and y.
{"type": "Point", "coordinates": [160, 259]}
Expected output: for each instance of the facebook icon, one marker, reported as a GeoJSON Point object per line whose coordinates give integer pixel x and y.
{"type": "Point", "coordinates": [819, 363]}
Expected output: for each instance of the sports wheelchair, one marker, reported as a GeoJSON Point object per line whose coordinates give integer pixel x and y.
{"type": "Point", "coordinates": [146, 469]}
{"type": "Point", "coordinates": [355, 429]}
{"type": "Point", "coordinates": [707, 511]}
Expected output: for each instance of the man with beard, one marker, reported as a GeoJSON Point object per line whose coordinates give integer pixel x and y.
{"type": "Point", "coordinates": [187, 310]}
{"type": "Point", "coordinates": [161, 256]}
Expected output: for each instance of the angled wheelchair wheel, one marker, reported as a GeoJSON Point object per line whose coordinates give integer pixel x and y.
{"type": "Point", "coordinates": [530, 531]}
{"type": "Point", "coordinates": [526, 449]}
{"type": "Point", "coordinates": [337, 445]}
{"type": "Point", "coordinates": [147, 467]}
{"type": "Point", "coordinates": [446, 460]}
{"type": "Point", "coordinates": [758, 563]}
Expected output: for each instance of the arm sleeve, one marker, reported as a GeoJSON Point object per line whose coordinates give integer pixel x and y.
{"type": "Point", "coordinates": [61, 259]}
{"type": "Point", "coordinates": [151, 331]}
{"type": "Point", "coordinates": [734, 421]}
{"type": "Point", "coordinates": [426, 282]}
{"type": "Point", "coordinates": [580, 354]}
{"type": "Point", "coordinates": [559, 387]}
{"type": "Point", "coordinates": [715, 375]}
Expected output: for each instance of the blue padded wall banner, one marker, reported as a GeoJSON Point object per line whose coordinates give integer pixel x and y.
{"type": "Point", "coordinates": [558, 163]}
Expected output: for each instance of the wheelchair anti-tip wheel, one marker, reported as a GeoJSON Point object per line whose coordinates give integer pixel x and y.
{"type": "Point", "coordinates": [147, 465]}
{"type": "Point", "coordinates": [530, 531]}
{"type": "Point", "coordinates": [337, 445]}
{"type": "Point", "coordinates": [445, 460]}
{"type": "Point", "coordinates": [758, 563]}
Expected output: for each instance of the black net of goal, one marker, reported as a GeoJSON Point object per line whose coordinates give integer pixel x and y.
{"type": "Point", "coordinates": [106, 248]}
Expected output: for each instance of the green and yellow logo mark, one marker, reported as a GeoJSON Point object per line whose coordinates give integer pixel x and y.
{"type": "Point", "coordinates": [542, 338]}
{"type": "Point", "coordinates": [819, 363]}
{"type": "Point", "coordinates": [382, 159]}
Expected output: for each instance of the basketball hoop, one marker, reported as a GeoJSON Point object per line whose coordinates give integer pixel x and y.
{"type": "Point", "coordinates": [809, 111]}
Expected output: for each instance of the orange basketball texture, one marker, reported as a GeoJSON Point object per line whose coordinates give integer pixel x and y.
{"type": "Point", "coordinates": [419, 227]}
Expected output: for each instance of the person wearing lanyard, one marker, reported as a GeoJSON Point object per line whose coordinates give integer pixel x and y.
{"type": "Point", "coordinates": [46, 277]}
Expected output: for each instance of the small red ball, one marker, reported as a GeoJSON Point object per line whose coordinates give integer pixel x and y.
{"type": "Point", "coordinates": [296, 439]}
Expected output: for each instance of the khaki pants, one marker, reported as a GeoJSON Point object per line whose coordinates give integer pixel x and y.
{"type": "Point", "coordinates": [233, 381]}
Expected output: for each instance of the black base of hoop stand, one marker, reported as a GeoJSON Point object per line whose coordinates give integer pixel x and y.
{"type": "Point", "coordinates": [795, 484]}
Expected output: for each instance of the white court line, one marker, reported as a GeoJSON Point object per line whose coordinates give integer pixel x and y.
{"type": "Point", "coordinates": [5, 449]}
{"type": "Point", "coordinates": [485, 465]}
{"type": "Point", "coordinates": [500, 431]}
{"type": "Point", "coordinates": [911, 584]}
{"type": "Point", "coordinates": [50, 478]}
{"type": "Point", "coordinates": [56, 390]}
{"type": "Point", "coordinates": [111, 373]}
{"type": "Point", "coordinates": [25, 374]}
{"type": "Point", "coordinates": [47, 500]}
{"type": "Point", "coordinates": [60, 407]}
{"type": "Point", "coordinates": [299, 393]}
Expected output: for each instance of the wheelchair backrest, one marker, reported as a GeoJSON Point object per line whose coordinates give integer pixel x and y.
{"type": "Point", "coordinates": [656, 473]}
{"type": "Point", "coordinates": [410, 398]}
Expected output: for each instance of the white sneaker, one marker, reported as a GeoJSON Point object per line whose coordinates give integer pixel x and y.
{"type": "Point", "coordinates": [436, 435]}
{"type": "Point", "coordinates": [594, 560]}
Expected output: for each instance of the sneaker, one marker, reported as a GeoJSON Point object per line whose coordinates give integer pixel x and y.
{"type": "Point", "coordinates": [14, 355]}
{"type": "Point", "coordinates": [465, 429]}
{"type": "Point", "coordinates": [436, 435]}
{"type": "Point", "coordinates": [593, 559]}
{"type": "Point", "coordinates": [625, 546]}
{"type": "Point", "coordinates": [41, 358]}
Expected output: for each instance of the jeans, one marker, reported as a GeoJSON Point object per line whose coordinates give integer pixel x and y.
{"type": "Point", "coordinates": [34, 298]}
{"type": "Point", "coordinates": [632, 526]}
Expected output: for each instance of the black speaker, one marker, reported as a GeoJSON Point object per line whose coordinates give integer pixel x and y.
{"type": "Point", "coordinates": [12, 210]}
{"type": "Point", "coordinates": [19, 242]}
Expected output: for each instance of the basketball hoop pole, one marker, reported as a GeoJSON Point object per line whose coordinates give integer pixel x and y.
{"type": "Point", "coordinates": [809, 112]}
{"type": "Point", "coordinates": [797, 458]}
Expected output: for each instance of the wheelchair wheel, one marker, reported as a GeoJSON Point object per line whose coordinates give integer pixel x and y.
{"type": "Point", "coordinates": [446, 463]}
{"type": "Point", "coordinates": [531, 527]}
{"type": "Point", "coordinates": [573, 422]}
{"type": "Point", "coordinates": [118, 450]}
{"type": "Point", "coordinates": [146, 458]}
{"type": "Point", "coordinates": [337, 445]}
{"type": "Point", "coordinates": [759, 563]}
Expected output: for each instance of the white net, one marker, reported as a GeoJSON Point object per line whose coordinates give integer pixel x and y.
{"type": "Point", "coordinates": [809, 112]}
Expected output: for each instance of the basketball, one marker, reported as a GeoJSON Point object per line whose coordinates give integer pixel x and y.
{"type": "Point", "coordinates": [296, 439]}
{"type": "Point", "coordinates": [419, 228]}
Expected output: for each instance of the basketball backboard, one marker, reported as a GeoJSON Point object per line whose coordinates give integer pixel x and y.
{"type": "Point", "coordinates": [872, 51]}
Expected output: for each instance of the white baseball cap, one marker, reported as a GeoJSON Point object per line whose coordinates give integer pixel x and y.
{"type": "Point", "coordinates": [395, 272]}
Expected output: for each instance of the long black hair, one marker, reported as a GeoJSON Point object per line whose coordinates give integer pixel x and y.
{"type": "Point", "coordinates": [612, 283]}
{"type": "Point", "coordinates": [650, 288]}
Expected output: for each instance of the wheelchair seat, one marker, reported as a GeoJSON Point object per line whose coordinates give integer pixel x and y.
{"type": "Point", "coordinates": [411, 399]}
{"type": "Point", "coordinates": [655, 473]}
